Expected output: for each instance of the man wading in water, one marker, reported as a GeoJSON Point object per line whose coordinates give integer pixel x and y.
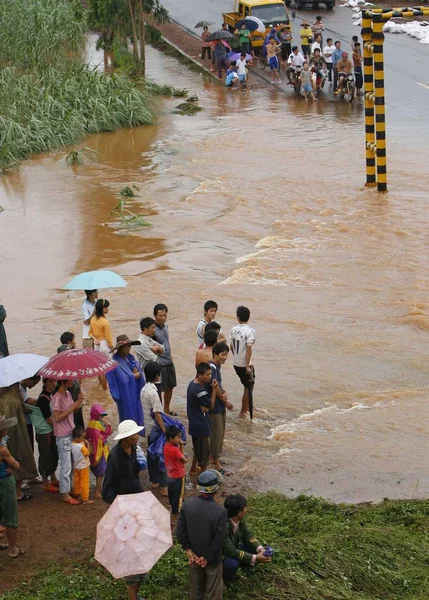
{"type": "Point", "coordinates": [241, 341]}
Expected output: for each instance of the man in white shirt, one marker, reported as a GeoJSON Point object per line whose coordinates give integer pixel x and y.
{"type": "Point", "coordinates": [295, 59]}
{"type": "Point", "coordinates": [241, 69]}
{"type": "Point", "coordinates": [149, 350]}
{"type": "Point", "coordinates": [210, 310]}
{"type": "Point", "coordinates": [152, 411]}
{"type": "Point", "coordinates": [87, 310]}
{"type": "Point", "coordinates": [241, 342]}
{"type": "Point", "coordinates": [327, 55]}
{"type": "Point", "coordinates": [316, 44]}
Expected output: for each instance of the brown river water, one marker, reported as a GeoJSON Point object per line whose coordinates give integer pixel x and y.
{"type": "Point", "coordinates": [257, 200]}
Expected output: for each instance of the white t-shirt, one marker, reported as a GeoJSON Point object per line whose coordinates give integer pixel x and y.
{"type": "Point", "coordinates": [327, 53]}
{"type": "Point", "coordinates": [241, 65]}
{"type": "Point", "coordinates": [151, 402]}
{"type": "Point", "coordinates": [241, 336]}
{"type": "Point", "coordinates": [200, 334]}
{"type": "Point", "coordinates": [296, 60]}
{"type": "Point", "coordinates": [80, 461]}
{"type": "Point", "coordinates": [315, 45]}
{"type": "Point", "coordinates": [87, 310]}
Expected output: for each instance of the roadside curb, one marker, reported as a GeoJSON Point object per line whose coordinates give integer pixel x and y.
{"type": "Point", "coordinates": [188, 57]}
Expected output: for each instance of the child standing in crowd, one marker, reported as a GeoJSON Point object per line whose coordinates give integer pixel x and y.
{"type": "Point", "coordinates": [8, 502]}
{"type": "Point", "coordinates": [307, 88]}
{"type": "Point", "coordinates": [97, 432]}
{"type": "Point", "coordinates": [80, 455]}
{"type": "Point", "coordinates": [210, 310]}
{"type": "Point", "coordinates": [241, 70]}
{"type": "Point", "coordinates": [272, 50]}
{"type": "Point", "coordinates": [175, 463]}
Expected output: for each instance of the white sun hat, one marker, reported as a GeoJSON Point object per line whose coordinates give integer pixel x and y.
{"type": "Point", "coordinates": [127, 428]}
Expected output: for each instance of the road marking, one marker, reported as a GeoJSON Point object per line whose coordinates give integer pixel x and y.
{"type": "Point", "coordinates": [423, 85]}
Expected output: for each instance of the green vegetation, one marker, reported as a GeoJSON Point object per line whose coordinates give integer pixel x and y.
{"type": "Point", "coordinates": [323, 552]}
{"type": "Point", "coordinates": [119, 20]}
{"type": "Point", "coordinates": [123, 213]}
{"type": "Point", "coordinates": [78, 156]}
{"type": "Point", "coordinates": [48, 97]}
{"type": "Point", "coordinates": [187, 108]}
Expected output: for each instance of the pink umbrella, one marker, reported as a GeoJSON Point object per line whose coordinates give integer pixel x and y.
{"type": "Point", "coordinates": [133, 535]}
{"type": "Point", "coordinates": [77, 364]}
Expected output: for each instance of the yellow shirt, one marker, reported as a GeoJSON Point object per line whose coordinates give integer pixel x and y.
{"type": "Point", "coordinates": [305, 33]}
{"type": "Point", "coordinates": [100, 330]}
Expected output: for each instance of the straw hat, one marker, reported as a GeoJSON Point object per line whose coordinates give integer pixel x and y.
{"type": "Point", "coordinates": [127, 428]}
{"type": "Point", "coordinates": [5, 423]}
{"type": "Point", "coordinates": [123, 340]}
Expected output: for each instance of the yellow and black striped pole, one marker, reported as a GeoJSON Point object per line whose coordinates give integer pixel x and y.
{"type": "Point", "coordinates": [380, 113]}
{"type": "Point", "coordinates": [368, 84]}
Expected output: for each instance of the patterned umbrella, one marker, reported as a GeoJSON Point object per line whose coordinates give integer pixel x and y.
{"type": "Point", "coordinates": [78, 363]}
{"type": "Point", "coordinates": [261, 27]}
{"type": "Point", "coordinates": [133, 535]}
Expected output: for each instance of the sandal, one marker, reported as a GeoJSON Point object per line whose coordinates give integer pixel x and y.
{"type": "Point", "coordinates": [4, 546]}
{"type": "Point", "coordinates": [72, 501]}
{"type": "Point", "coordinates": [173, 414]}
{"type": "Point", "coordinates": [19, 552]}
{"type": "Point", "coordinates": [27, 496]}
{"type": "Point", "coordinates": [50, 488]}
{"type": "Point", "coordinates": [225, 472]}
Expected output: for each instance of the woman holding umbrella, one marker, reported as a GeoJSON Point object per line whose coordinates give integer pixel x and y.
{"type": "Point", "coordinates": [126, 381]}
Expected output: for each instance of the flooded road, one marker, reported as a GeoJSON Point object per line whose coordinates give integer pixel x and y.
{"type": "Point", "coordinates": [257, 200]}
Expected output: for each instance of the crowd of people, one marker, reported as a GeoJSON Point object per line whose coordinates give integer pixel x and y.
{"type": "Point", "coordinates": [313, 62]}
{"type": "Point", "coordinates": [215, 538]}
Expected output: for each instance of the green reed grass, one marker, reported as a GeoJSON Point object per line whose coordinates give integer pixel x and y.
{"type": "Point", "coordinates": [323, 551]}
{"type": "Point", "coordinates": [41, 111]}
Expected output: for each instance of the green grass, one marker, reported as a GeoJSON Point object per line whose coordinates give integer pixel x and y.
{"type": "Point", "coordinates": [323, 552]}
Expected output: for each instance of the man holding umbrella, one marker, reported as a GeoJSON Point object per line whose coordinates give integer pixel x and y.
{"type": "Point", "coordinates": [245, 39]}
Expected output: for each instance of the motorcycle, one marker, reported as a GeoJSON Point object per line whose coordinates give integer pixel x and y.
{"type": "Point", "coordinates": [296, 80]}
{"type": "Point", "coordinates": [320, 81]}
{"type": "Point", "coordinates": [348, 88]}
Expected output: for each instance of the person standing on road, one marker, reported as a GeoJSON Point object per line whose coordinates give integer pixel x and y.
{"type": "Point", "coordinates": [327, 54]}
{"type": "Point", "coordinates": [241, 342]}
{"type": "Point", "coordinates": [336, 57]}
{"type": "Point", "coordinates": [219, 54]}
{"type": "Point", "coordinates": [165, 360]}
{"type": "Point", "coordinates": [205, 46]}
{"type": "Point", "coordinates": [245, 39]}
{"type": "Point", "coordinates": [272, 50]}
{"type": "Point", "coordinates": [317, 44]}
{"type": "Point", "coordinates": [305, 35]}
{"type": "Point", "coordinates": [357, 64]}
{"type": "Point", "coordinates": [285, 36]}
{"type": "Point", "coordinates": [318, 28]}
{"type": "Point", "coordinates": [200, 530]}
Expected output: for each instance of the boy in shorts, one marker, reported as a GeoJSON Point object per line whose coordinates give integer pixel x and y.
{"type": "Point", "coordinates": [241, 342]}
{"type": "Point", "coordinates": [175, 465]}
{"type": "Point", "coordinates": [241, 70]}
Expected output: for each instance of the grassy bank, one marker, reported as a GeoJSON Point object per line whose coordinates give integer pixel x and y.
{"type": "Point", "coordinates": [323, 552]}
{"type": "Point", "coordinates": [48, 97]}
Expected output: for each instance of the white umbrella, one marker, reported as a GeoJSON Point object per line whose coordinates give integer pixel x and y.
{"type": "Point", "coordinates": [17, 367]}
{"type": "Point", "coordinates": [133, 535]}
{"type": "Point", "coordinates": [261, 26]}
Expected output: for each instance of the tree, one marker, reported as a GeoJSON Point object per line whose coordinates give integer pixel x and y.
{"type": "Point", "coordinates": [124, 19]}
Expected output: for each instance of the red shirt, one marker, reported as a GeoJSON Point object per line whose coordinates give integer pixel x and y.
{"type": "Point", "coordinates": [172, 456]}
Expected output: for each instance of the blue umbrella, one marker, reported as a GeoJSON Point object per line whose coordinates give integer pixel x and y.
{"type": "Point", "coordinates": [250, 25]}
{"type": "Point", "coordinates": [95, 280]}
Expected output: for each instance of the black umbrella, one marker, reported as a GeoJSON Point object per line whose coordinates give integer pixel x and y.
{"type": "Point", "coordinates": [222, 34]}
{"type": "Point", "coordinates": [251, 379]}
{"type": "Point", "coordinates": [203, 24]}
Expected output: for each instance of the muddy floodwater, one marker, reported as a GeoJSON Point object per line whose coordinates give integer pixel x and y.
{"type": "Point", "coordinates": [257, 200]}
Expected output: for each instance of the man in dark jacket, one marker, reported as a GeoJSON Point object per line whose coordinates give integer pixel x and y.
{"type": "Point", "coordinates": [200, 530]}
{"type": "Point", "coordinates": [240, 546]}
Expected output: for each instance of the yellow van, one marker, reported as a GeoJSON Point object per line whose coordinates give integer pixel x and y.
{"type": "Point", "coordinates": [273, 13]}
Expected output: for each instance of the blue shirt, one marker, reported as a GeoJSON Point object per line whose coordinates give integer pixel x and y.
{"type": "Point", "coordinates": [162, 337]}
{"type": "Point", "coordinates": [199, 422]}
{"type": "Point", "coordinates": [336, 56]}
{"type": "Point", "coordinates": [230, 78]}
